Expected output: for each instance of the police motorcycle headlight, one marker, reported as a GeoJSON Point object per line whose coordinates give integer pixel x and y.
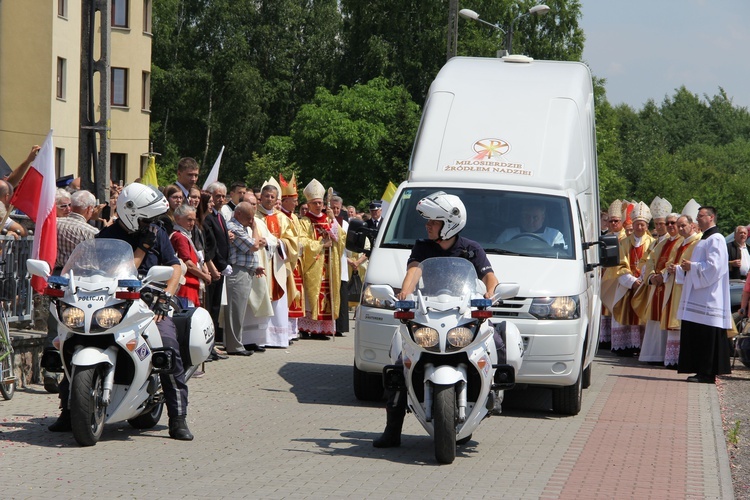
{"type": "Point", "coordinates": [555, 308]}
{"type": "Point", "coordinates": [425, 336]}
{"type": "Point", "coordinates": [106, 318]}
{"type": "Point", "coordinates": [72, 317]}
{"type": "Point", "coordinates": [460, 337]}
{"type": "Point", "coordinates": [370, 301]}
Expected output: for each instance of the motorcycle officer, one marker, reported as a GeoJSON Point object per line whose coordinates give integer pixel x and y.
{"type": "Point", "coordinates": [446, 217]}
{"type": "Point", "coordinates": [138, 206]}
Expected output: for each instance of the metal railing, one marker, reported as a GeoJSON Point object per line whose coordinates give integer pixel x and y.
{"type": "Point", "coordinates": [15, 282]}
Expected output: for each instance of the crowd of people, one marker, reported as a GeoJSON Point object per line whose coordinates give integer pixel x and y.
{"type": "Point", "coordinates": [668, 300]}
{"type": "Point", "coordinates": [268, 269]}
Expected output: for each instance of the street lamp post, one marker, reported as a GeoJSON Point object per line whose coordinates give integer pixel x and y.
{"type": "Point", "coordinates": [537, 10]}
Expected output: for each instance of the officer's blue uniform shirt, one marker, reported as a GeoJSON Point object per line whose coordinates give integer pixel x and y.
{"type": "Point", "coordinates": [463, 247]}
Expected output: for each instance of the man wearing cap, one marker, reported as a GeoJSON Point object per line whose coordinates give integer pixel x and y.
{"type": "Point", "coordinates": [609, 275]}
{"type": "Point", "coordinates": [649, 300]}
{"type": "Point", "coordinates": [296, 299]}
{"type": "Point", "coordinates": [673, 284]}
{"type": "Point", "coordinates": [627, 328]}
{"type": "Point", "coordinates": [280, 243]}
{"type": "Point", "coordinates": [376, 216]}
{"type": "Point", "coordinates": [705, 305]}
{"type": "Point", "coordinates": [322, 241]}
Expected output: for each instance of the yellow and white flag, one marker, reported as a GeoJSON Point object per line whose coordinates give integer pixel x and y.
{"type": "Point", "coordinates": [149, 176]}
{"type": "Point", "coordinates": [388, 194]}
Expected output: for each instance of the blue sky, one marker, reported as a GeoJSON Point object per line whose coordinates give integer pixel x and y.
{"type": "Point", "coordinates": [648, 48]}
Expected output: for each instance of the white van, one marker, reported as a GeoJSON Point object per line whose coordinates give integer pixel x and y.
{"type": "Point", "coordinates": [515, 139]}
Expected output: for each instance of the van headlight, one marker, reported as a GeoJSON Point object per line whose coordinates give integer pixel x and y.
{"type": "Point", "coordinates": [555, 308]}
{"type": "Point", "coordinates": [370, 301]}
{"type": "Point", "coordinates": [73, 317]}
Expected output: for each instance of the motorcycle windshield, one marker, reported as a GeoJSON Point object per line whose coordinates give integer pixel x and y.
{"type": "Point", "coordinates": [447, 276]}
{"type": "Point", "coordinates": [102, 257]}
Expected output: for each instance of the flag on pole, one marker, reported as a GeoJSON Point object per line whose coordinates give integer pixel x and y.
{"type": "Point", "coordinates": [388, 194]}
{"type": "Point", "coordinates": [149, 176]}
{"type": "Point", "coordinates": [35, 196]}
{"type": "Point", "coordinates": [213, 175]}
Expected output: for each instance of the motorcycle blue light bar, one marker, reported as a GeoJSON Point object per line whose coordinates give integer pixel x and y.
{"type": "Point", "coordinates": [58, 280]}
{"type": "Point", "coordinates": [405, 304]}
{"type": "Point", "coordinates": [129, 283]}
{"type": "Point", "coordinates": [481, 302]}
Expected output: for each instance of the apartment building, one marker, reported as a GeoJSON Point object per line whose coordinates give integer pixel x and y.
{"type": "Point", "coordinates": [40, 54]}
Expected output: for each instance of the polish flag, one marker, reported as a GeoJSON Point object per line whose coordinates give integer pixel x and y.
{"type": "Point", "coordinates": [35, 196]}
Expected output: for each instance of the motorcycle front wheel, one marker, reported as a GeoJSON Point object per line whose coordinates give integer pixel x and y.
{"type": "Point", "coordinates": [149, 419]}
{"type": "Point", "coordinates": [87, 412]}
{"type": "Point", "coordinates": [444, 423]}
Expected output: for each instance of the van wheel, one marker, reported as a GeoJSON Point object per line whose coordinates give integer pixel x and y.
{"type": "Point", "coordinates": [367, 386]}
{"type": "Point", "coordinates": [567, 400]}
{"type": "Point", "coordinates": [586, 381]}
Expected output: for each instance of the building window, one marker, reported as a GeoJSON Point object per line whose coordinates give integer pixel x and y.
{"type": "Point", "coordinates": [146, 91]}
{"type": "Point", "coordinates": [119, 87]}
{"type": "Point", "coordinates": [117, 164]}
{"type": "Point", "coordinates": [59, 162]}
{"type": "Point", "coordinates": [62, 8]}
{"type": "Point", "coordinates": [60, 90]}
{"type": "Point", "coordinates": [147, 16]}
{"type": "Point", "coordinates": [120, 13]}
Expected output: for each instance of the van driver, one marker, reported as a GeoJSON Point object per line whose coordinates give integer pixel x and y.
{"type": "Point", "coordinates": [532, 225]}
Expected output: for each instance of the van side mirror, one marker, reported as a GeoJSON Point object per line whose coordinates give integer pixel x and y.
{"type": "Point", "coordinates": [357, 236]}
{"type": "Point", "coordinates": [609, 251]}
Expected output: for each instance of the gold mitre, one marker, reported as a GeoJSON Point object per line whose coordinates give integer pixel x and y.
{"type": "Point", "coordinates": [615, 209]}
{"type": "Point", "coordinates": [641, 212]}
{"type": "Point", "coordinates": [314, 191]}
{"type": "Point", "coordinates": [288, 189]}
{"type": "Point", "coordinates": [660, 208]}
{"type": "Point", "coordinates": [272, 182]}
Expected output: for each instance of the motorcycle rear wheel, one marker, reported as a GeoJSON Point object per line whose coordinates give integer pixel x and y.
{"type": "Point", "coordinates": [87, 413]}
{"type": "Point", "coordinates": [444, 423]}
{"type": "Point", "coordinates": [149, 419]}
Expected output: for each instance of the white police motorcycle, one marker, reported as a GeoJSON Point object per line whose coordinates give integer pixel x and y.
{"type": "Point", "coordinates": [449, 364]}
{"type": "Point", "coordinates": [109, 345]}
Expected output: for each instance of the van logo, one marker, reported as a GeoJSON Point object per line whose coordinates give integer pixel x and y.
{"type": "Point", "coordinates": [487, 149]}
{"type": "Point", "coordinates": [488, 159]}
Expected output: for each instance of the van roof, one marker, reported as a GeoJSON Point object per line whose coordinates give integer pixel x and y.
{"type": "Point", "coordinates": [528, 123]}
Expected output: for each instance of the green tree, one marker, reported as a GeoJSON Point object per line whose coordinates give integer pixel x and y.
{"type": "Point", "coordinates": [356, 140]}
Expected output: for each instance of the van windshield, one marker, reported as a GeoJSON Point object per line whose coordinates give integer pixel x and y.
{"type": "Point", "coordinates": [502, 222]}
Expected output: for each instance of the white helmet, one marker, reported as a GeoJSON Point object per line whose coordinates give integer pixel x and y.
{"type": "Point", "coordinates": [444, 207]}
{"type": "Point", "coordinates": [138, 201]}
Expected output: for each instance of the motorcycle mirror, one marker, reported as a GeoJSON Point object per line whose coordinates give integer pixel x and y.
{"type": "Point", "coordinates": [159, 274]}
{"type": "Point", "coordinates": [38, 268]}
{"type": "Point", "coordinates": [506, 290]}
{"type": "Point", "coordinates": [382, 292]}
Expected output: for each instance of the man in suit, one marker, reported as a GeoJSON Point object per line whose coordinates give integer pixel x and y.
{"type": "Point", "coordinates": [376, 215]}
{"type": "Point", "coordinates": [739, 254]}
{"type": "Point", "coordinates": [215, 223]}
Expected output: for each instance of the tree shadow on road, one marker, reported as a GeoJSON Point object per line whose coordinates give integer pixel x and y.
{"type": "Point", "coordinates": [34, 432]}
{"type": "Point", "coordinates": [315, 383]}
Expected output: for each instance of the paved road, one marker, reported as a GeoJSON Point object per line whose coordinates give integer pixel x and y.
{"type": "Point", "coordinates": [285, 424]}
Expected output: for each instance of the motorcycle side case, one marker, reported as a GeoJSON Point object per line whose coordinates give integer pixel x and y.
{"type": "Point", "coordinates": [195, 334]}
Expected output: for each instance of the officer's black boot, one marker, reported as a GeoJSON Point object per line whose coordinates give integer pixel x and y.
{"type": "Point", "coordinates": [178, 429]}
{"type": "Point", "coordinates": [395, 411]}
{"type": "Point", "coordinates": [62, 424]}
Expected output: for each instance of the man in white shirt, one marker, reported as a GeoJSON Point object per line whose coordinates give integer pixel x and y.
{"type": "Point", "coordinates": [705, 305]}
{"type": "Point", "coordinates": [739, 254]}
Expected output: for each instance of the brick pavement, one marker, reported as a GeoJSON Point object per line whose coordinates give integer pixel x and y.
{"type": "Point", "coordinates": [285, 424]}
